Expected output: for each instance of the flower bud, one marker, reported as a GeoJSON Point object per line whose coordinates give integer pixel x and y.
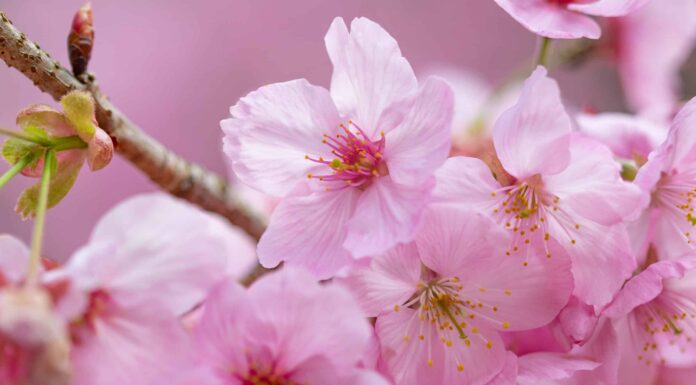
{"type": "Point", "coordinates": [81, 39]}
{"type": "Point", "coordinates": [100, 150]}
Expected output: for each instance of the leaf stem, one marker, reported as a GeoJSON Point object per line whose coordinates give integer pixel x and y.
{"type": "Point", "coordinates": [23, 136]}
{"type": "Point", "coordinates": [11, 173]}
{"type": "Point", "coordinates": [67, 143]}
{"type": "Point", "coordinates": [40, 219]}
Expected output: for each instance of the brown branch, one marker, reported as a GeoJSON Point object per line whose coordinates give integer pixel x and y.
{"type": "Point", "coordinates": [165, 168]}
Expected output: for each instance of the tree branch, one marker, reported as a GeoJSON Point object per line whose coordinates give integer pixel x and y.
{"type": "Point", "coordinates": [165, 168]}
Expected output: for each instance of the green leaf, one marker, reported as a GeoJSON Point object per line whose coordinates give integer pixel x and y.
{"type": "Point", "coordinates": [62, 180]}
{"type": "Point", "coordinates": [14, 149]}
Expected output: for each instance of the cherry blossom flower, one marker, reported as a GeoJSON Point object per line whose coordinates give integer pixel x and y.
{"type": "Point", "coordinates": [34, 344]}
{"type": "Point", "coordinates": [441, 301]}
{"type": "Point", "coordinates": [654, 314]}
{"type": "Point", "coordinates": [551, 184]}
{"type": "Point", "coordinates": [285, 329]}
{"type": "Point", "coordinates": [149, 260]}
{"type": "Point", "coordinates": [651, 45]}
{"type": "Point", "coordinates": [669, 180]}
{"type": "Point", "coordinates": [566, 19]}
{"type": "Point", "coordinates": [355, 165]}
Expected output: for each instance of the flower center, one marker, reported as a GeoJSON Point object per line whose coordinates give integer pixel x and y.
{"type": "Point", "coordinates": [675, 194]}
{"type": "Point", "coordinates": [357, 159]}
{"type": "Point", "coordinates": [265, 375]}
{"type": "Point", "coordinates": [98, 306]}
{"type": "Point", "coordinates": [526, 209]}
{"type": "Point", "coordinates": [667, 316]}
{"type": "Point", "coordinates": [444, 315]}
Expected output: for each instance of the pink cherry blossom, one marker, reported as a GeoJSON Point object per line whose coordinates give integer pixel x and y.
{"type": "Point", "coordinates": [655, 313]}
{"type": "Point", "coordinates": [566, 19]}
{"type": "Point", "coordinates": [629, 137]}
{"type": "Point", "coordinates": [370, 145]}
{"type": "Point", "coordinates": [34, 345]}
{"type": "Point", "coordinates": [148, 261]}
{"type": "Point", "coordinates": [552, 184]}
{"type": "Point", "coordinates": [651, 46]}
{"type": "Point", "coordinates": [285, 329]}
{"type": "Point", "coordinates": [669, 180]}
{"type": "Point", "coordinates": [441, 301]}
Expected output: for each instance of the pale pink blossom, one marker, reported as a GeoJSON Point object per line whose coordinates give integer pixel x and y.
{"type": "Point", "coordinates": [441, 301]}
{"type": "Point", "coordinates": [355, 164]}
{"type": "Point", "coordinates": [34, 344]}
{"type": "Point", "coordinates": [566, 19]}
{"type": "Point", "coordinates": [148, 261]}
{"type": "Point", "coordinates": [285, 329]}
{"type": "Point", "coordinates": [552, 185]}
{"type": "Point", "coordinates": [668, 179]}
{"type": "Point", "coordinates": [654, 314]}
{"type": "Point", "coordinates": [651, 45]}
{"type": "Point", "coordinates": [629, 137]}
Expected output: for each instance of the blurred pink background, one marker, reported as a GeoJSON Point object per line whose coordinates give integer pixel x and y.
{"type": "Point", "coordinates": [175, 67]}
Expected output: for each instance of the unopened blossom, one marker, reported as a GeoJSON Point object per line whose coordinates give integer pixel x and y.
{"type": "Point", "coordinates": [148, 261]}
{"type": "Point", "coordinates": [34, 344]}
{"type": "Point", "coordinates": [286, 329]}
{"type": "Point", "coordinates": [441, 301]}
{"type": "Point", "coordinates": [651, 45]}
{"type": "Point", "coordinates": [669, 180]}
{"type": "Point", "coordinates": [45, 127]}
{"type": "Point", "coordinates": [355, 164]}
{"type": "Point", "coordinates": [655, 314]}
{"type": "Point", "coordinates": [551, 184]}
{"type": "Point", "coordinates": [566, 19]}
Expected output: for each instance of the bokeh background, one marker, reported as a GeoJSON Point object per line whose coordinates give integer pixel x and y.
{"type": "Point", "coordinates": [176, 66]}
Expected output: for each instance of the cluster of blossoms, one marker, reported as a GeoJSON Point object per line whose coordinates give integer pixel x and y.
{"type": "Point", "coordinates": [558, 249]}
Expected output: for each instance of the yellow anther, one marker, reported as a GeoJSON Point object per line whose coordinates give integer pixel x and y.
{"type": "Point", "coordinates": [460, 367]}
{"type": "Point", "coordinates": [506, 325]}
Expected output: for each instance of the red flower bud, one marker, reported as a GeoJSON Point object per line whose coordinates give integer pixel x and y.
{"type": "Point", "coordinates": [81, 39]}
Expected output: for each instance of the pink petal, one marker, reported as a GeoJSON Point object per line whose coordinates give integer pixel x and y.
{"type": "Point", "coordinates": [363, 377]}
{"type": "Point", "coordinates": [608, 8]}
{"type": "Point", "coordinates": [309, 231]}
{"type": "Point", "coordinates": [14, 258]}
{"type": "Point", "coordinates": [576, 322]}
{"type": "Point", "coordinates": [100, 150]}
{"type": "Point", "coordinates": [540, 367]}
{"type": "Point", "coordinates": [467, 182]}
{"type": "Point", "coordinates": [421, 143]}
{"type": "Point", "coordinates": [154, 247]}
{"type": "Point", "coordinates": [669, 239]}
{"type": "Point", "coordinates": [647, 285]}
{"type": "Point", "coordinates": [407, 361]}
{"type": "Point", "coordinates": [452, 240]}
{"type": "Point", "coordinates": [388, 213]}
{"type": "Point", "coordinates": [390, 280]}
{"type": "Point", "coordinates": [220, 334]}
{"type": "Point", "coordinates": [683, 136]}
{"type": "Point", "coordinates": [533, 136]}
{"type": "Point", "coordinates": [602, 261]}
{"type": "Point", "coordinates": [272, 130]}
{"type": "Point", "coordinates": [592, 187]}
{"type": "Point", "coordinates": [626, 135]}
{"type": "Point", "coordinates": [550, 20]}
{"type": "Point", "coordinates": [301, 319]}
{"type": "Point", "coordinates": [46, 118]}
{"type": "Point", "coordinates": [653, 43]}
{"type": "Point", "coordinates": [372, 83]}
{"type": "Point", "coordinates": [507, 376]}
{"type": "Point", "coordinates": [603, 347]}
{"type": "Point", "coordinates": [141, 348]}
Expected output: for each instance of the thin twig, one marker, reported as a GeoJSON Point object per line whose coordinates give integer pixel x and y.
{"type": "Point", "coordinates": [165, 168]}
